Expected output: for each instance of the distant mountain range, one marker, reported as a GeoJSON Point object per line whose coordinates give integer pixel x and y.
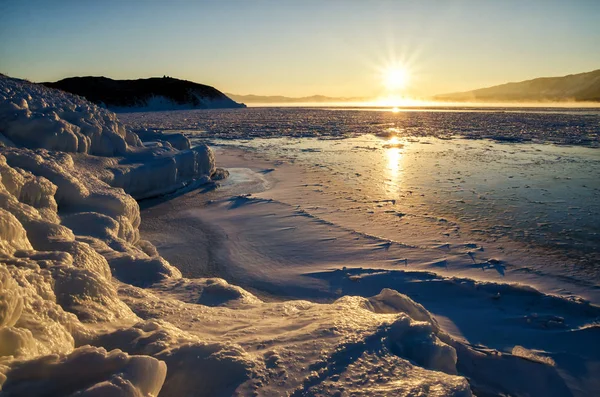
{"type": "Point", "coordinates": [155, 93]}
{"type": "Point", "coordinates": [285, 99]}
{"type": "Point", "coordinates": [574, 87]}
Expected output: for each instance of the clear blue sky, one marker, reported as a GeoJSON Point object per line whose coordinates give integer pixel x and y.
{"type": "Point", "coordinates": [301, 47]}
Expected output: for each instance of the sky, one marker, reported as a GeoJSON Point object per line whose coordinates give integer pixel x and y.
{"type": "Point", "coordinates": [300, 48]}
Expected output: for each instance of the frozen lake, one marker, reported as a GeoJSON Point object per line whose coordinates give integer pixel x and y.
{"type": "Point", "coordinates": [542, 197]}
{"type": "Point", "coordinates": [526, 180]}
{"type": "Point", "coordinates": [579, 126]}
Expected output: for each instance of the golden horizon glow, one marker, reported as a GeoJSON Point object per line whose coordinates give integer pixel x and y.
{"type": "Point", "coordinates": [444, 45]}
{"type": "Point", "coordinates": [397, 102]}
{"type": "Point", "coordinates": [396, 78]}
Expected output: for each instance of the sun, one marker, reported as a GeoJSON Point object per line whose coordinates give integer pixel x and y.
{"type": "Point", "coordinates": [396, 78]}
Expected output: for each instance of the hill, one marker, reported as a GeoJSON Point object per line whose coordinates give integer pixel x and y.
{"type": "Point", "coordinates": [581, 87]}
{"type": "Point", "coordinates": [150, 94]}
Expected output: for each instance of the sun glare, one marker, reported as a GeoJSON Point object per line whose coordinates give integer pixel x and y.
{"type": "Point", "coordinates": [396, 78]}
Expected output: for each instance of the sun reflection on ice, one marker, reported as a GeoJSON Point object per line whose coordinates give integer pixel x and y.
{"type": "Point", "coordinates": [393, 152]}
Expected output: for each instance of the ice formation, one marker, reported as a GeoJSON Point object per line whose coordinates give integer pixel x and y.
{"type": "Point", "coordinates": [40, 118]}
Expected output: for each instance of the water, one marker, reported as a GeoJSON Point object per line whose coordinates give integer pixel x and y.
{"type": "Point", "coordinates": [431, 177]}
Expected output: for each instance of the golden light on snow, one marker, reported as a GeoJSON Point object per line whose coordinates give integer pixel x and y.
{"type": "Point", "coordinates": [393, 153]}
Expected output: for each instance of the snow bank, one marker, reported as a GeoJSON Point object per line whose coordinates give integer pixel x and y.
{"type": "Point", "coordinates": [88, 371]}
{"type": "Point", "coordinates": [87, 308]}
{"type": "Point", "coordinates": [35, 116]}
{"type": "Point", "coordinates": [196, 367]}
{"type": "Point", "coordinates": [163, 170]}
{"type": "Point", "coordinates": [177, 140]}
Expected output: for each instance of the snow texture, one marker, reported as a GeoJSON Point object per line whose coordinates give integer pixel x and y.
{"type": "Point", "coordinates": [36, 117]}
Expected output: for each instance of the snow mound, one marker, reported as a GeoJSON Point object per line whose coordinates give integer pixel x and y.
{"type": "Point", "coordinates": [209, 292]}
{"type": "Point", "coordinates": [390, 301]}
{"type": "Point", "coordinates": [162, 170]}
{"type": "Point", "coordinates": [89, 372]}
{"type": "Point", "coordinates": [196, 367]}
{"type": "Point", "coordinates": [177, 140]}
{"type": "Point", "coordinates": [531, 355]}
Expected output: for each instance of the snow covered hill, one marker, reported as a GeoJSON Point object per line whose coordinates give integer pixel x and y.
{"type": "Point", "coordinates": [151, 94]}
